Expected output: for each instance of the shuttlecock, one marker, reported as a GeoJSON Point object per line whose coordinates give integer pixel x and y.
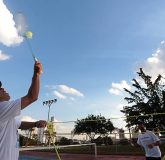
{"type": "Point", "coordinates": [28, 35]}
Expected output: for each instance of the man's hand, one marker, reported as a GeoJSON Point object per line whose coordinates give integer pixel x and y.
{"type": "Point", "coordinates": [28, 125]}
{"type": "Point", "coordinates": [37, 68]}
{"type": "Point", "coordinates": [157, 143]}
{"type": "Point", "coordinates": [40, 124]}
{"type": "Point", "coordinates": [150, 146]}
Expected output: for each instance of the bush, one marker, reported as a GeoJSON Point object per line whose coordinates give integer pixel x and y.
{"type": "Point", "coordinates": [134, 141]}
{"type": "Point", "coordinates": [103, 140]}
{"type": "Point", "coordinates": [65, 141]}
{"type": "Point", "coordinates": [25, 141]}
{"type": "Point", "coordinates": [124, 142]}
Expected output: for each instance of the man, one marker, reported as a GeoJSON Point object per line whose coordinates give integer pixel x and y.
{"type": "Point", "coordinates": [150, 142]}
{"type": "Point", "coordinates": [9, 110]}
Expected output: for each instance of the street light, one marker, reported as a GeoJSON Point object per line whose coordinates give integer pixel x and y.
{"type": "Point", "coordinates": [49, 103]}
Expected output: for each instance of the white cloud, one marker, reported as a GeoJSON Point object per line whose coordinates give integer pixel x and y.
{"type": "Point", "coordinates": [114, 91]}
{"type": "Point", "coordinates": [72, 98]}
{"type": "Point", "coordinates": [162, 42]}
{"type": "Point", "coordinates": [117, 88]}
{"type": "Point", "coordinates": [59, 95]}
{"type": "Point", "coordinates": [8, 32]}
{"type": "Point", "coordinates": [64, 92]}
{"type": "Point", "coordinates": [28, 119]}
{"type": "Point", "coordinates": [3, 56]}
{"type": "Point", "coordinates": [154, 65]}
{"type": "Point", "coordinates": [51, 87]}
{"type": "Point", "coordinates": [68, 90]}
{"type": "Point", "coordinates": [153, 60]}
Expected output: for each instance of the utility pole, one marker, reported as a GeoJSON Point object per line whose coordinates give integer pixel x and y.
{"type": "Point", "coordinates": [49, 103]}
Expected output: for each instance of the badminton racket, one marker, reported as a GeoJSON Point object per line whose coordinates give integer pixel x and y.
{"type": "Point", "coordinates": [22, 30]}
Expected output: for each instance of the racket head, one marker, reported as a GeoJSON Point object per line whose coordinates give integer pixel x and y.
{"type": "Point", "coordinates": [20, 23]}
{"type": "Point", "coordinates": [21, 26]}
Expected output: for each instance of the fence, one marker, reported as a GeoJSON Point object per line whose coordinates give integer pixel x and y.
{"type": "Point", "coordinates": [118, 142]}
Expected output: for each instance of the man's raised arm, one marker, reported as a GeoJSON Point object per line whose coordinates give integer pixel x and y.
{"type": "Point", "coordinates": [33, 92]}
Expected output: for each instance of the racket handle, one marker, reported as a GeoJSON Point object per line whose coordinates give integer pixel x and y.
{"type": "Point", "coordinates": [35, 59]}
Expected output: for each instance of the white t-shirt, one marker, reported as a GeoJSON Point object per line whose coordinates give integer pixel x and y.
{"type": "Point", "coordinates": [8, 129]}
{"type": "Point", "coordinates": [147, 138]}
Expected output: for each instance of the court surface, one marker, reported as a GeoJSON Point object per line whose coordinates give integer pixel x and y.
{"type": "Point", "coordinates": [63, 156]}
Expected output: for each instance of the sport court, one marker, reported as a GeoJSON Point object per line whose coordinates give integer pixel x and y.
{"type": "Point", "coordinates": [51, 156]}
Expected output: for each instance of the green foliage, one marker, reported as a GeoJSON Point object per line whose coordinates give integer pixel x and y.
{"type": "Point", "coordinates": [93, 125]}
{"type": "Point", "coordinates": [123, 142]}
{"type": "Point", "coordinates": [65, 141]}
{"type": "Point", "coordinates": [103, 140]}
{"type": "Point", "coordinates": [145, 101]}
{"type": "Point", "coordinates": [25, 141]}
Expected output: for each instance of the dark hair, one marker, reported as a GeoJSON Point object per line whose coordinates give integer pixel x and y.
{"type": "Point", "coordinates": [0, 84]}
{"type": "Point", "coordinates": [140, 122]}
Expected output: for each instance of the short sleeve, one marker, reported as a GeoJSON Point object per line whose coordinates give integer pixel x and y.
{"type": "Point", "coordinates": [138, 141]}
{"type": "Point", "coordinates": [155, 137]}
{"type": "Point", "coordinates": [10, 109]}
{"type": "Point", "coordinates": [18, 123]}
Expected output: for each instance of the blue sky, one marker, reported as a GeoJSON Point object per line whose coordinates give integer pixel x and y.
{"type": "Point", "coordinates": [89, 49]}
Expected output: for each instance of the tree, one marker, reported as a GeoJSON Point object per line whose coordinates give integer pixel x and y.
{"type": "Point", "coordinates": [65, 141]}
{"type": "Point", "coordinates": [121, 133]}
{"type": "Point", "coordinates": [147, 103]}
{"type": "Point", "coordinates": [103, 140]}
{"type": "Point", "coordinates": [93, 125]}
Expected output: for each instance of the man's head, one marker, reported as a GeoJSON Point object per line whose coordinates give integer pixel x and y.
{"type": "Point", "coordinates": [141, 125]}
{"type": "Point", "coordinates": [4, 96]}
